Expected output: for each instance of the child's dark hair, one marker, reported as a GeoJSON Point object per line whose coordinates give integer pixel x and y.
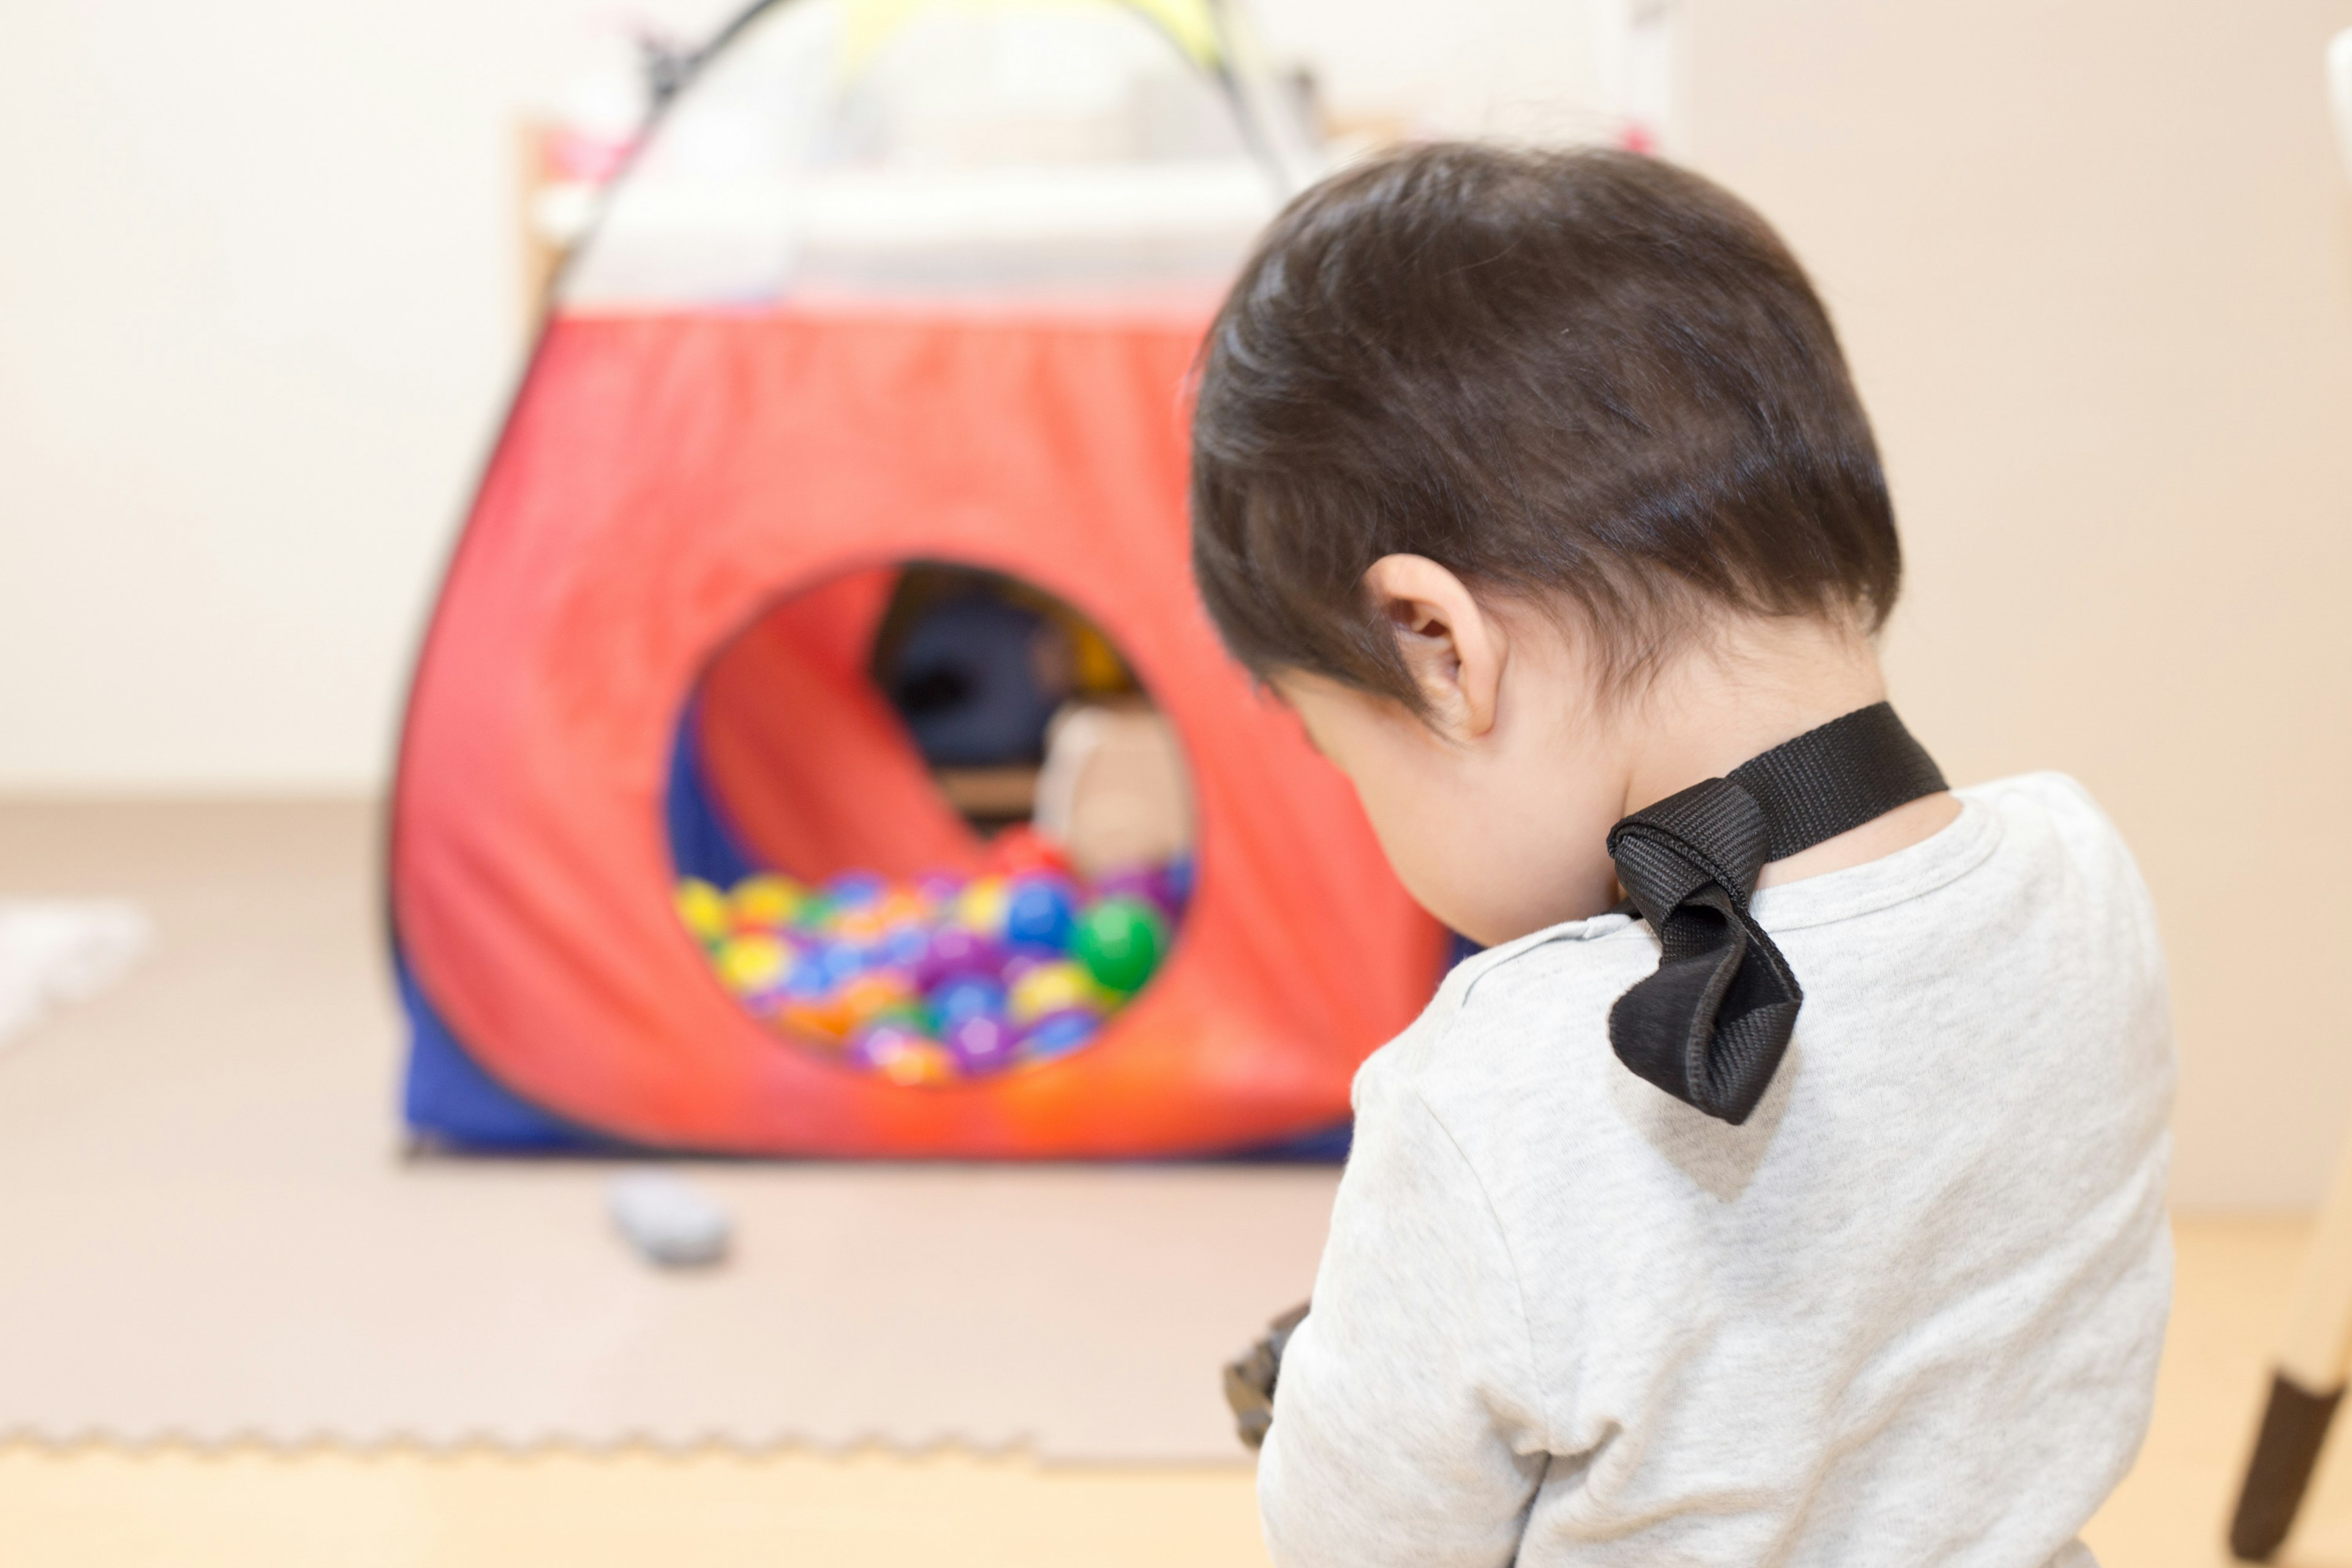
{"type": "Point", "coordinates": [1585, 373]}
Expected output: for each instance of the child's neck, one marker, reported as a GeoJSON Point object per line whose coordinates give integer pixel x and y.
{"type": "Point", "coordinates": [1761, 683]}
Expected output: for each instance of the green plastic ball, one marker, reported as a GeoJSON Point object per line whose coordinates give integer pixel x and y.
{"type": "Point", "coordinates": [1120, 940]}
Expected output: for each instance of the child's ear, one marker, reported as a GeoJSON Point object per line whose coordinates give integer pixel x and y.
{"type": "Point", "coordinates": [1454, 648]}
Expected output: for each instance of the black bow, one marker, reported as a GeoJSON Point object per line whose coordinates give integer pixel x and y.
{"type": "Point", "coordinates": [1711, 1025]}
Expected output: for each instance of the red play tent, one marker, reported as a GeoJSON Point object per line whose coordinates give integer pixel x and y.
{"type": "Point", "coordinates": [888, 281]}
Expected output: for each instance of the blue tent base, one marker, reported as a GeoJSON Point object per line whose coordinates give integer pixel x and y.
{"type": "Point", "coordinates": [450, 1100]}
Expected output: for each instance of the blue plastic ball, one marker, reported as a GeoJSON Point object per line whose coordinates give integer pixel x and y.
{"type": "Point", "coordinates": [839, 963]}
{"type": "Point", "coordinates": [1039, 913]}
{"type": "Point", "coordinates": [1059, 1033]}
{"type": "Point", "coordinates": [966, 996]}
{"type": "Point", "coordinates": [855, 889]}
{"type": "Point", "coordinates": [904, 948]}
{"type": "Point", "coordinates": [809, 979]}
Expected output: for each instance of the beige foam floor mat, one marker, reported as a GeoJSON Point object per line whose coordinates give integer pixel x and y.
{"type": "Point", "coordinates": [169, 1508]}
{"type": "Point", "coordinates": [209, 1230]}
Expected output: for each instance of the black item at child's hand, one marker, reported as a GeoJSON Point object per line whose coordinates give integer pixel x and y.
{"type": "Point", "coordinates": [1249, 1382]}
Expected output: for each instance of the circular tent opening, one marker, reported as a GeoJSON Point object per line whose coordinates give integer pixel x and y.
{"type": "Point", "coordinates": [929, 825]}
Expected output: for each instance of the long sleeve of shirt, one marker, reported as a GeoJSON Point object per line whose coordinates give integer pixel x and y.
{"type": "Point", "coordinates": [1433, 1461]}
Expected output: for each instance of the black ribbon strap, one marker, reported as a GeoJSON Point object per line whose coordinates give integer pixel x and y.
{"type": "Point", "coordinates": [1711, 1025]}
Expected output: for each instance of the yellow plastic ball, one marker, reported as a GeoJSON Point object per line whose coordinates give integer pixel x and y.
{"type": "Point", "coordinates": [875, 993]}
{"type": "Point", "coordinates": [704, 909]}
{"type": "Point", "coordinates": [752, 963]}
{"type": "Point", "coordinates": [1052, 988]}
{"type": "Point", "coordinates": [768, 901]}
{"type": "Point", "coordinates": [981, 906]}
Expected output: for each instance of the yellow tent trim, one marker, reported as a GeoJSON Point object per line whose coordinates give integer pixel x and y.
{"type": "Point", "coordinates": [869, 24]}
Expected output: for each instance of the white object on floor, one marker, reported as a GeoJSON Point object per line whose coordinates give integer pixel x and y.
{"type": "Point", "coordinates": [669, 1222]}
{"type": "Point", "coordinates": [53, 952]}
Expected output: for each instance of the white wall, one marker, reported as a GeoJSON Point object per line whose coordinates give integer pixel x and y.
{"type": "Point", "coordinates": [2093, 263]}
{"type": "Point", "coordinates": [258, 310]}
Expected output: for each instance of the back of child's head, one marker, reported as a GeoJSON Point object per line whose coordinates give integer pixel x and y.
{"type": "Point", "coordinates": [1586, 378]}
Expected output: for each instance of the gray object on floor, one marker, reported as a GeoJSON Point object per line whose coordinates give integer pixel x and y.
{"type": "Point", "coordinates": [668, 1221]}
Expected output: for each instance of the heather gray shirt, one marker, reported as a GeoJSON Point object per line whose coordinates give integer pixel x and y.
{"type": "Point", "coordinates": [1908, 1314]}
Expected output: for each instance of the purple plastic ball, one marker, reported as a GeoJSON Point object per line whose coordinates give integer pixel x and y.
{"type": "Point", "coordinates": [1153, 884]}
{"type": "Point", "coordinates": [955, 951]}
{"type": "Point", "coordinates": [980, 1042]}
{"type": "Point", "coordinates": [1176, 880]}
{"type": "Point", "coordinates": [873, 1047]}
{"type": "Point", "coordinates": [1128, 882]}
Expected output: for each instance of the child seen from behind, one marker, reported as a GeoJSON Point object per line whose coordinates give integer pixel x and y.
{"type": "Point", "coordinates": [1785, 1182]}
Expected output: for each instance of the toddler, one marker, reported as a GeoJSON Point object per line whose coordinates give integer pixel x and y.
{"type": "Point", "coordinates": [1785, 1182]}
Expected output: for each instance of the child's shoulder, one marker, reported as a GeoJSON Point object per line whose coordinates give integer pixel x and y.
{"type": "Point", "coordinates": [2051, 824]}
{"type": "Point", "coordinates": [2058, 798]}
{"type": "Point", "coordinates": [1541, 991]}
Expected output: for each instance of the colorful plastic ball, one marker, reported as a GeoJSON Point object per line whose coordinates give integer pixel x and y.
{"type": "Point", "coordinates": [1058, 1034]}
{"type": "Point", "coordinates": [855, 889]}
{"type": "Point", "coordinates": [808, 979]}
{"type": "Point", "coordinates": [931, 981]}
{"type": "Point", "coordinates": [862, 924]}
{"type": "Point", "coordinates": [1020, 850]}
{"type": "Point", "coordinates": [753, 963]}
{"type": "Point", "coordinates": [958, 950]}
{"type": "Point", "coordinates": [1150, 883]}
{"type": "Point", "coordinates": [1127, 882]}
{"type": "Point", "coordinates": [1039, 912]}
{"type": "Point", "coordinates": [964, 996]}
{"type": "Point", "coordinates": [904, 947]}
{"type": "Point", "coordinates": [980, 1042]}
{"type": "Point", "coordinates": [767, 901]}
{"type": "Point", "coordinates": [1052, 988]}
{"type": "Point", "coordinates": [902, 907]}
{"type": "Point", "coordinates": [1176, 880]}
{"type": "Point", "coordinates": [877, 991]}
{"type": "Point", "coordinates": [902, 1055]}
{"type": "Point", "coordinates": [821, 1019]}
{"type": "Point", "coordinates": [982, 906]}
{"type": "Point", "coordinates": [839, 963]}
{"type": "Point", "coordinates": [705, 909]}
{"type": "Point", "coordinates": [1121, 941]}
